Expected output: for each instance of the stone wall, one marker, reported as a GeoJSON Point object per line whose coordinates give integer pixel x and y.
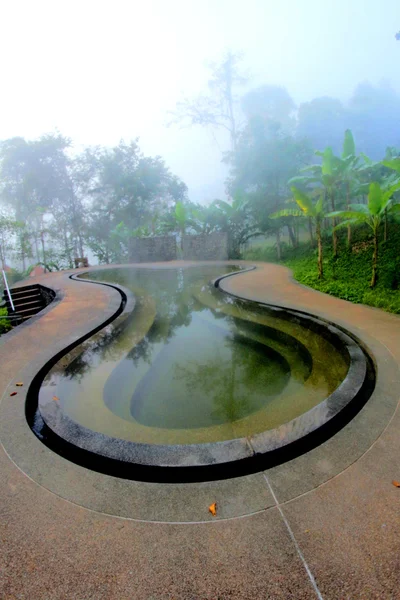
{"type": "Point", "coordinates": [212, 246]}
{"type": "Point", "coordinates": [152, 249]}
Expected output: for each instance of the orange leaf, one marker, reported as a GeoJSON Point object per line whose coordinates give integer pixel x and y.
{"type": "Point", "coordinates": [56, 398]}
{"type": "Point", "coordinates": [213, 509]}
{"type": "Point", "coordinates": [396, 483]}
{"type": "Point", "coordinates": [13, 394]}
{"type": "Point", "coordinates": [19, 384]}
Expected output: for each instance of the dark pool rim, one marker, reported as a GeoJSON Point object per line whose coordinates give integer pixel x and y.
{"type": "Point", "coordinates": [212, 460]}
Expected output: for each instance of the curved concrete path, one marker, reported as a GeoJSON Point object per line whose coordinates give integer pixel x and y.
{"type": "Point", "coordinates": [323, 525]}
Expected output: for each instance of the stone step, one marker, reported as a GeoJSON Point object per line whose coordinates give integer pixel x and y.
{"type": "Point", "coordinates": [25, 300]}
{"type": "Point", "coordinates": [24, 289]}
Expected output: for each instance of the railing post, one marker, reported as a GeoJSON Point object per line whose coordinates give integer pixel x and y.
{"type": "Point", "coordinates": [8, 290]}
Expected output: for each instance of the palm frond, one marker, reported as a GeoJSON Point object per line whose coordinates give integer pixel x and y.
{"type": "Point", "coordinates": [345, 224]}
{"type": "Point", "coordinates": [287, 212]}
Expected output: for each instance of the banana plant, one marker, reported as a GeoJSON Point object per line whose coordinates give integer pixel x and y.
{"type": "Point", "coordinates": [380, 200]}
{"type": "Point", "coordinates": [326, 175]}
{"type": "Point", "coordinates": [333, 174]}
{"type": "Point", "coordinates": [377, 171]}
{"type": "Point", "coordinates": [307, 209]}
{"type": "Point", "coordinates": [237, 220]}
{"type": "Point", "coordinates": [177, 220]}
{"type": "Point", "coordinates": [182, 218]}
{"type": "Point", "coordinates": [394, 164]}
{"type": "Point", "coordinates": [348, 167]}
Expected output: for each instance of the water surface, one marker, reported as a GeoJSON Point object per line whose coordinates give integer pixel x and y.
{"type": "Point", "coordinates": [192, 364]}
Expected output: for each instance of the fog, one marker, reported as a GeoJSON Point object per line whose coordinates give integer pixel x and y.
{"type": "Point", "coordinates": [101, 71]}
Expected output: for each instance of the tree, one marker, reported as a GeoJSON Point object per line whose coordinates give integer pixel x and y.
{"type": "Point", "coordinates": [374, 117]}
{"type": "Point", "coordinates": [8, 228]}
{"type": "Point", "coordinates": [219, 108]}
{"type": "Point", "coordinates": [23, 247]}
{"type": "Point", "coordinates": [237, 220]}
{"type": "Point", "coordinates": [322, 121]}
{"type": "Point", "coordinates": [307, 209]}
{"type": "Point", "coordinates": [265, 159]}
{"type": "Point", "coordinates": [35, 178]}
{"type": "Point", "coordinates": [121, 185]}
{"type": "Point", "coordinates": [327, 177]}
{"type": "Point", "coordinates": [269, 104]}
{"type": "Point", "coordinates": [178, 219]}
{"type": "Point", "coordinates": [379, 201]}
{"type": "Point", "coordinates": [347, 167]}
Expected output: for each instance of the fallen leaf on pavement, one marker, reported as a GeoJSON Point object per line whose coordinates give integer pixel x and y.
{"type": "Point", "coordinates": [213, 509]}
{"type": "Point", "coordinates": [396, 483]}
{"type": "Point", "coordinates": [56, 398]}
{"type": "Point", "coordinates": [13, 394]}
{"type": "Point", "coordinates": [19, 384]}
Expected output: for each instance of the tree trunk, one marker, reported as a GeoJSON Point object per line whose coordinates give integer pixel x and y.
{"type": "Point", "coordinates": [22, 242]}
{"type": "Point", "coordinates": [80, 244]}
{"type": "Point", "coordinates": [291, 236]}
{"type": "Point", "coordinates": [319, 241]}
{"type": "Point", "coordinates": [278, 244]}
{"type": "Point", "coordinates": [67, 249]}
{"type": "Point", "coordinates": [385, 234]}
{"type": "Point", "coordinates": [375, 260]}
{"type": "Point", "coordinates": [334, 232]}
{"type": "Point", "coordinates": [229, 99]}
{"type": "Point", "coordinates": [348, 208]}
{"type": "Point", "coordinates": [310, 229]}
{"type": "Point", "coordinates": [36, 248]}
{"type": "Point", "coordinates": [44, 253]}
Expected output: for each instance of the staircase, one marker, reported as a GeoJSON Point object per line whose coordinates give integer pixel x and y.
{"type": "Point", "coordinates": [28, 301]}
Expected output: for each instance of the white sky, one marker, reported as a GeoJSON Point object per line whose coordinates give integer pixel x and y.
{"type": "Point", "coordinates": [103, 70]}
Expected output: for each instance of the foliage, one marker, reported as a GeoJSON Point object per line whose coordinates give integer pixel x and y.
{"type": "Point", "coordinates": [346, 277]}
{"type": "Point", "coordinates": [265, 159]}
{"type": "Point", "coordinates": [35, 181]}
{"type": "Point", "coordinates": [126, 191]}
{"type": "Point", "coordinates": [322, 121]}
{"type": "Point", "coordinates": [373, 114]}
{"type": "Point", "coordinates": [237, 220]}
{"type": "Point", "coordinates": [4, 323]}
{"type": "Point", "coordinates": [307, 209]}
{"type": "Point", "coordinates": [379, 203]}
{"type": "Point", "coordinates": [270, 104]}
{"type": "Point", "coordinates": [61, 204]}
{"type": "Point", "coordinates": [8, 227]}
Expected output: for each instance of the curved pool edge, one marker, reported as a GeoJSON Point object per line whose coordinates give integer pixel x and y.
{"type": "Point", "coordinates": [68, 438]}
{"type": "Point", "coordinates": [143, 495]}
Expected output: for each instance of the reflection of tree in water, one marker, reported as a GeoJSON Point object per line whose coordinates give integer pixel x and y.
{"type": "Point", "coordinates": [170, 288]}
{"type": "Point", "coordinates": [238, 383]}
{"type": "Point", "coordinates": [84, 361]}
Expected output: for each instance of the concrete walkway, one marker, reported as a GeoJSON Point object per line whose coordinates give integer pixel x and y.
{"type": "Point", "coordinates": [325, 525]}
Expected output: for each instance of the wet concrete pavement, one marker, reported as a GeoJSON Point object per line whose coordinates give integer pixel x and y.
{"type": "Point", "coordinates": [323, 525]}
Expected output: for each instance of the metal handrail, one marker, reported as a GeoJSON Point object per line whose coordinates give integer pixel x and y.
{"type": "Point", "coordinates": [8, 291]}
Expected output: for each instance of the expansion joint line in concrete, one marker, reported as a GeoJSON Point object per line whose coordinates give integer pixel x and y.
{"type": "Point", "coordinates": [296, 545]}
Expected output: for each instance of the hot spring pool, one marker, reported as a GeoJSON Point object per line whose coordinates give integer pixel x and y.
{"type": "Point", "coordinates": [191, 365]}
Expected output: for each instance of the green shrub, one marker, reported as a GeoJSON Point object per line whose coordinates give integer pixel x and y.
{"type": "Point", "coordinates": [4, 323]}
{"type": "Point", "coordinates": [348, 275]}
